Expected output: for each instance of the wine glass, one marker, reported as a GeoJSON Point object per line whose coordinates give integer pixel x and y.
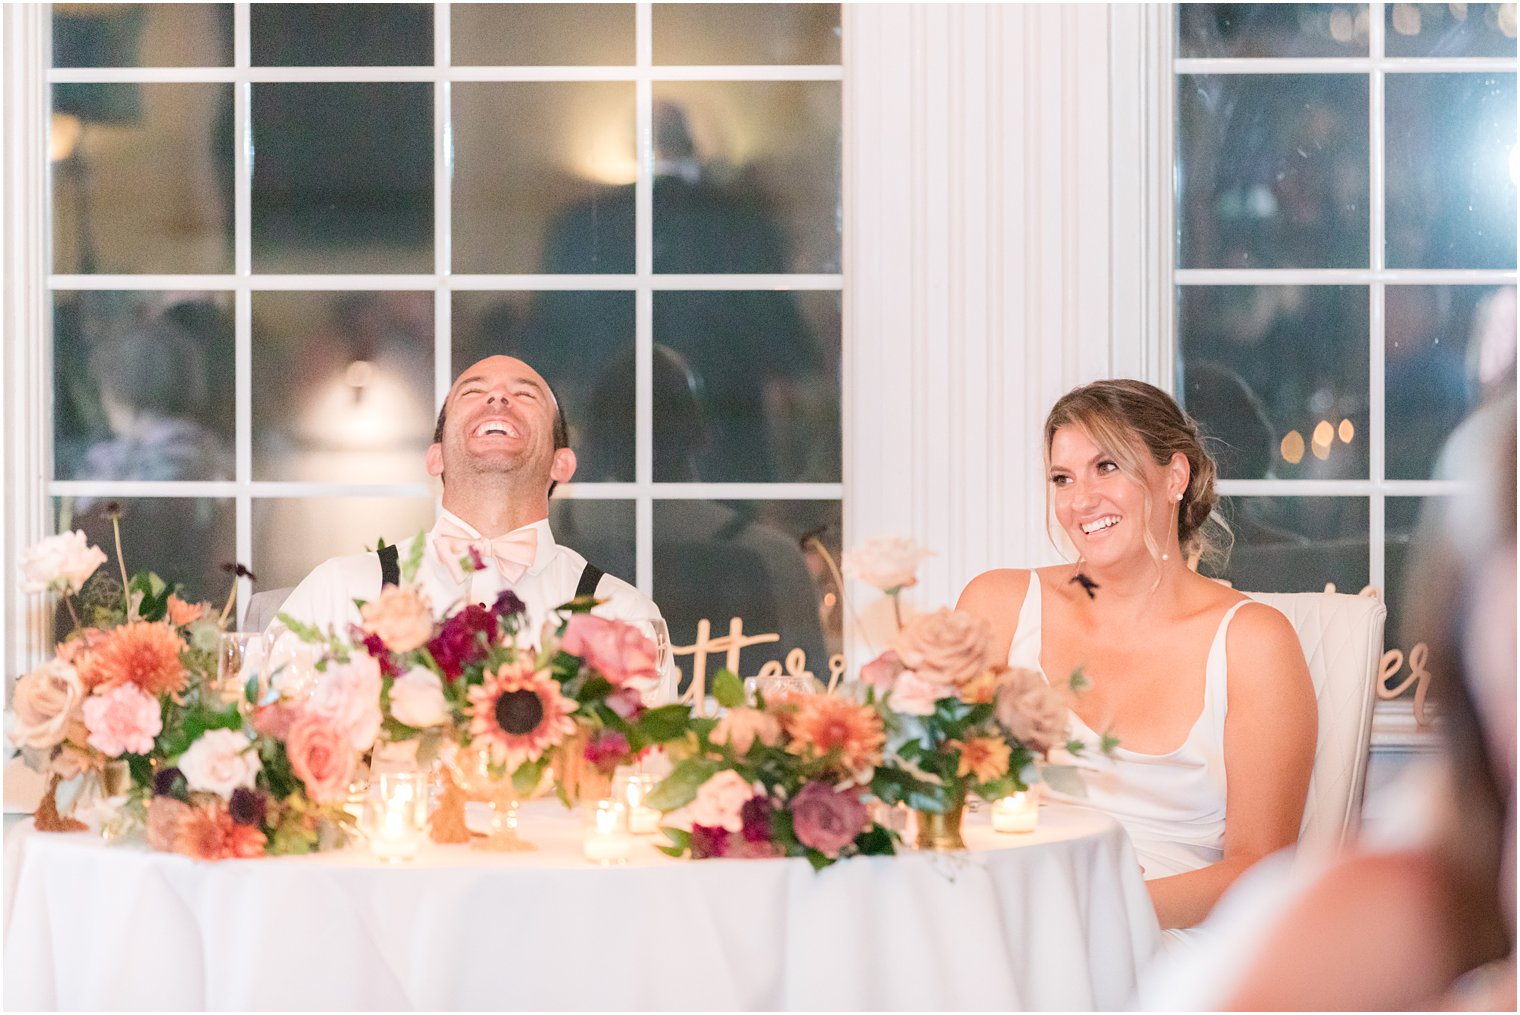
{"type": "Point", "coordinates": [242, 656]}
{"type": "Point", "coordinates": [657, 631]}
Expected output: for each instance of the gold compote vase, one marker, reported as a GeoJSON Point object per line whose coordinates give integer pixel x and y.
{"type": "Point", "coordinates": [474, 778]}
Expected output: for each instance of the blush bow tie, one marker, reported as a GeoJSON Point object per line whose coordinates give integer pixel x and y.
{"type": "Point", "coordinates": [514, 552]}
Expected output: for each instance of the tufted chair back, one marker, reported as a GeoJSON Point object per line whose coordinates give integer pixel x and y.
{"type": "Point", "coordinates": [1342, 639]}
{"type": "Point", "coordinates": [263, 606]}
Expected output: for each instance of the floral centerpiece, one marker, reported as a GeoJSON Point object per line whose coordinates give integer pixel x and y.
{"type": "Point", "coordinates": [129, 702]}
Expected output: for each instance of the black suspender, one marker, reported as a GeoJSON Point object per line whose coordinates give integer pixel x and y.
{"type": "Point", "coordinates": [390, 565]}
{"type": "Point", "coordinates": [591, 577]}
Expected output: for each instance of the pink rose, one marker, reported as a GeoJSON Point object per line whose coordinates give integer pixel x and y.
{"type": "Point", "coordinates": [946, 646]}
{"type": "Point", "coordinates": [741, 727]}
{"type": "Point", "coordinates": [322, 757]}
{"type": "Point", "coordinates": [417, 698]}
{"type": "Point", "coordinates": [913, 695]}
{"type": "Point", "coordinates": [618, 651]}
{"type": "Point", "coordinates": [827, 820]}
{"type": "Point", "coordinates": [401, 617]}
{"type": "Point", "coordinates": [63, 562]}
{"type": "Point", "coordinates": [888, 563]}
{"type": "Point", "coordinates": [219, 762]}
{"type": "Point", "coordinates": [47, 703]}
{"type": "Point", "coordinates": [1032, 711]}
{"type": "Point", "coordinates": [720, 800]}
{"type": "Point", "coordinates": [122, 720]}
{"type": "Point", "coordinates": [882, 671]}
{"type": "Point", "coordinates": [348, 695]}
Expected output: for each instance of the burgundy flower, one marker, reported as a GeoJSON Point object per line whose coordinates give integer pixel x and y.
{"type": "Point", "coordinates": [756, 815]}
{"type": "Point", "coordinates": [607, 750]}
{"type": "Point", "coordinates": [476, 560]}
{"type": "Point", "coordinates": [246, 806]}
{"type": "Point", "coordinates": [376, 648]}
{"type": "Point", "coordinates": [827, 820]}
{"type": "Point", "coordinates": [708, 842]}
{"type": "Point", "coordinates": [458, 642]}
{"type": "Point", "coordinates": [171, 782]}
{"type": "Point", "coordinates": [507, 604]}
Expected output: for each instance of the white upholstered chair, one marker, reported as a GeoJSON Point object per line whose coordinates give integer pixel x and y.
{"type": "Point", "coordinates": [263, 606]}
{"type": "Point", "coordinates": [1342, 639]}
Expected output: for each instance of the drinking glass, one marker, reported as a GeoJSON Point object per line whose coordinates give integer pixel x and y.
{"type": "Point", "coordinates": [242, 656]}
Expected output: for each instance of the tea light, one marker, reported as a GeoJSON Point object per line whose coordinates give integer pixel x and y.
{"type": "Point", "coordinates": [607, 839]}
{"type": "Point", "coordinates": [395, 814]}
{"type": "Point", "coordinates": [631, 789]}
{"type": "Point", "coordinates": [1017, 813]}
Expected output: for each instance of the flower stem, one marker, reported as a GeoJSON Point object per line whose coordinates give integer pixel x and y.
{"type": "Point", "coordinates": [221, 621]}
{"type": "Point", "coordinates": [897, 607]}
{"type": "Point", "coordinates": [121, 562]}
{"type": "Point", "coordinates": [828, 559]}
{"type": "Point", "coordinates": [68, 601]}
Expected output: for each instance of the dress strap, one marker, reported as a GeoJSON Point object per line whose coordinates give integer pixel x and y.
{"type": "Point", "coordinates": [1216, 688]}
{"type": "Point", "coordinates": [1024, 651]}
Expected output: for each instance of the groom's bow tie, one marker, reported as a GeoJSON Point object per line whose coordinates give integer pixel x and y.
{"type": "Point", "coordinates": [513, 552]}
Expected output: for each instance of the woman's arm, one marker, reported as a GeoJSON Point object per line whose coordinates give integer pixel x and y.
{"type": "Point", "coordinates": [1269, 739]}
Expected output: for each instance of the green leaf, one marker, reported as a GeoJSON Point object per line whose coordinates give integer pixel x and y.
{"type": "Point", "coordinates": [528, 775]}
{"type": "Point", "coordinates": [413, 562]}
{"type": "Point", "coordinates": [1064, 779]}
{"type": "Point", "coordinates": [1078, 681]}
{"type": "Point", "coordinates": [306, 632]}
{"type": "Point", "coordinates": [1075, 747]}
{"type": "Point", "coordinates": [580, 604]}
{"type": "Point", "coordinates": [675, 851]}
{"type": "Point", "coordinates": [679, 788]}
{"type": "Point", "coordinates": [875, 841]}
{"type": "Point", "coordinates": [1109, 744]}
{"type": "Point", "coordinates": [679, 837]}
{"type": "Point", "coordinates": [395, 731]}
{"type": "Point", "coordinates": [728, 689]}
{"type": "Point", "coordinates": [818, 860]}
{"type": "Point", "coordinates": [664, 724]}
{"type": "Point", "coordinates": [893, 786]}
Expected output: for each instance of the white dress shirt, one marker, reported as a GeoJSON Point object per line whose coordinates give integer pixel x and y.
{"type": "Point", "coordinates": [325, 598]}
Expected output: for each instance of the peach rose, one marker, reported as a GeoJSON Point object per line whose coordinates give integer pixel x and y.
{"type": "Point", "coordinates": [47, 703]}
{"type": "Point", "coordinates": [741, 727]}
{"type": "Point", "coordinates": [913, 695]}
{"type": "Point", "coordinates": [122, 720]}
{"type": "Point", "coordinates": [882, 671]}
{"type": "Point", "coordinates": [720, 800]}
{"type": "Point", "coordinates": [946, 646]}
{"type": "Point", "coordinates": [348, 694]}
{"type": "Point", "coordinates": [62, 562]}
{"type": "Point", "coordinates": [1031, 710]}
{"type": "Point", "coordinates": [618, 651]}
{"type": "Point", "coordinates": [322, 757]}
{"type": "Point", "coordinates": [402, 617]}
{"type": "Point", "coordinates": [888, 563]}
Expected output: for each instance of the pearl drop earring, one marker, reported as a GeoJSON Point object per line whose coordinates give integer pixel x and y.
{"type": "Point", "coordinates": [1176, 500]}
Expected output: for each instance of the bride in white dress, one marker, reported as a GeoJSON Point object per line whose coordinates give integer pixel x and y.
{"type": "Point", "coordinates": [1207, 692]}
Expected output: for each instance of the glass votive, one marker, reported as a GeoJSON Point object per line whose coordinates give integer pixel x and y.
{"type": "Point", "coordinates": [395, 814]}
{"type": "Point", "coordinates": [1017, 813]}
{"type": "Point", "coordinates": [240, 658]}
{"type": "Point", "coordinates": [607, 841]}
{"type": "Point", "coordinates": [632, 789]}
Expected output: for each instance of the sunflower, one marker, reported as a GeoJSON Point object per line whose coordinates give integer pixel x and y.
{"type": "Point", "coordinates": [825, 722]}
{"type": "Point", "coordinates": [519, 713]}
{"type": "Point", "coordinates": [146, 654]}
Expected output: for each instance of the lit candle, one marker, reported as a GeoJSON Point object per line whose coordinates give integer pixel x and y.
{"type": "Point", "coordinates": [607, 839]}
{"type": "Point", "coordinates": [396, 814]}
{"type": "Point", "coordinates": [631, 789]}
{"type": "Point", "coordinates": [1017, 813]}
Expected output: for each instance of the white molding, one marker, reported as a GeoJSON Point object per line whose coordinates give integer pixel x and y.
{"type": "Point", "coordinates": [26, 375]}
{"type": "Point", "coordinates": [430, 73]}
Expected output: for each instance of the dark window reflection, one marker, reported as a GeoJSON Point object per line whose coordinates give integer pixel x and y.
{"type": "Point", "coordinates": [602, 531]}
{"type": "Point", "coordinates": [363, 35]}
{"type": "Point", "coordinates": [722, 559]}
{"type": "Point", "coordinates": [1450, 30]}
{"type": "Point", "coordinates": [142, 35]}
{"type": "Point", "coordinates": [1272, 171]}
{"type": "Point", "coordinates": [1292, 544]}
{"type": "Point", "coordinates": [182, 539]}
{"type": "Point", "coordinates": [1237, 30]}
{"type": "Point", "coordinates": [1278, 378]}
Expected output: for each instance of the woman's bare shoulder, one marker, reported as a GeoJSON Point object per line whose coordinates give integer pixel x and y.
{"type": "Point", "coordinates": [993, 593]}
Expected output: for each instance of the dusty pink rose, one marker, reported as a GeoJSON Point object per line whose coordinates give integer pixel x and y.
{"type": "Point", "coordinates": [417, 698]}
{"type": "Point", "coordinates": [47, 703]}
{"type": "Point", "coordinates": [882, 671]}
{"type": "Point", "coordinates": [825, 819]}
{"type": "Point", "coordinates": [322, 757]}
{"type": "Point", "coordinates": [888, 563]}
{"type": "Point", "coordinates": [741, 727]}
{"type": "Point", "coordinates": [947, 646]}
{"type": "Point", "coordinates": [1031, 710]}
{"type": "Point", "coordinates": [720, 800]}
{"type": "Point", "coordinates": [166, 816]}
{"type": "Point", "coordinates": [122, 720]}
{"type": "Point", "coordinates": [348, 695]}
{"type": "Point", "coordinates": [219, 762]}
{"type": "Point", "coordinates": [274, 719]}
{"type": "Point", "coordinates": [60, 562]}
{"type": "Point", "coordinates": [913, 695]}
{"type": "Point", "coordinates": [402, 617]}
{"type": "Point", "coordinates": [618, 651]}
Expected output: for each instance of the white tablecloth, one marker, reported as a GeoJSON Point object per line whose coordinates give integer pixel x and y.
{"type": "Point", "coordinates": [1054, 920]}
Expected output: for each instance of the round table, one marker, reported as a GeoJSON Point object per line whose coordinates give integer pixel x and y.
{"type": "Point", "coordinates": [1056, 919]}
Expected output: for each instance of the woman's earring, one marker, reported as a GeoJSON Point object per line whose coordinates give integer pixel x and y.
{"type": "Point", "coordinates": [1176, 502]}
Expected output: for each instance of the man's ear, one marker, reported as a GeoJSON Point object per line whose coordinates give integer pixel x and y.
{"type": "Point", "coordinates": [563, 466]}
{"type": "Point", "coordinates": [434, 459]}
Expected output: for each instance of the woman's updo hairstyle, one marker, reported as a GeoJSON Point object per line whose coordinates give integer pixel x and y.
{"type": "Point", "coordinates": [1128, 418]}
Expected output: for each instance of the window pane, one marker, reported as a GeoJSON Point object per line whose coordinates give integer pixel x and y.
{"type": "Point", "coordinates": [342, 386]}
{"type": "Point", "coordinates": [722, 559]}
{"type": "Point", "coordinates": [1272, 170]}
{"type": "Point", "coordinates": [182, 539]}
{"type": "Point", "coordinates": [1448, 30]}
{"type": "Point", "coordinates": [142, 178]}
{"type": "Point", "coordinates": [1450, 178]}
{"type": "Point", "coordinates": [1279, 376]}
{"type": "Point", "coordinates": [582, 344]}
{"type": "Point", "coordinates": [1446, 346]}
{"type": "Point", "coordinates": [292, 535]}
{"type": "Point", "coordinates": [602, 531]}
{"type": "Point", "coordinates": [747, 176]}
{"type": "Point", "coordinates": [363, 35]}
{"type": "Point", "coordinates": [543, 177]}
{"type": "Point", "coordinates": [533, 35]}
{"type": "Point", "coordinates": [1294, 544]}
{"type": "Point", "coordinates": [746, 387]}
{"type": "Point", "coordinates": [143, 385]}
{"type": "Point", "coordinates": [746, 33]}
{"type": "Point", "coordinates": [142, 35]}
{"type": "Point", "coordinates": [343, 177]}
{"type": "Point", "coordinates": [1244, 30]}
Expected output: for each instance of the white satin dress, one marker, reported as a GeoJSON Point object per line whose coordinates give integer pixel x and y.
{"type": "Point", "coordinates": [1172, 804]}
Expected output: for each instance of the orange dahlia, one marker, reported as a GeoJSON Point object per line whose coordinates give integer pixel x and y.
{"type": "Point", "coordinates": [824, 723]}
{"type": "Point", "coordinates": [518, 713]}
{"type": "Point", "coordinates": [207, 832]}
{"type": "Point", "coordinates": [182, 613]}
{"type": "Point", "coordinates": [982, 758]}
{"type": "Point", "coordinates": [147, 654]}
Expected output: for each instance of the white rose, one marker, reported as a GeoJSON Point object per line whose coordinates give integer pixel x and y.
{"type": "Point", "coordinates": [47, 703]}
{"type": "Point", "coordinates": [886, 562]}
{"type": "Point", "coordinates": [63, 561]}
{"type": "Point", "coordinates": [219, 762]}
{"type": "Point", "coordinates": [417, 698]}
{"type": "Point", "coordinates": [913, 695]}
